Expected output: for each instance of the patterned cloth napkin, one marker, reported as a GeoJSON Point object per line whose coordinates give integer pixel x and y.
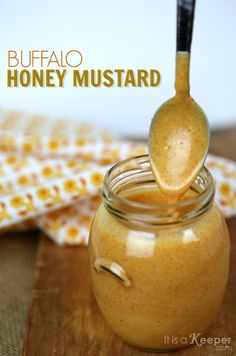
{"type": "Point", "coordinates": [51, 175]}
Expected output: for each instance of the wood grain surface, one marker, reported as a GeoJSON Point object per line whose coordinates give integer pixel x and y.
{"type": "Point", "coordinates": [64, 319]}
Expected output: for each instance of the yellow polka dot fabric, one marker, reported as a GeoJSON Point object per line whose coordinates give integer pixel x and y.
{"type": "Point", "coordinates": [224, 174]}
{"type": "Point", "coordinates": [51, 174]}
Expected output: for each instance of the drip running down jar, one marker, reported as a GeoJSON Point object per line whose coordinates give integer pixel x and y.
{"type": "Point", "coordinates": [158, 270]}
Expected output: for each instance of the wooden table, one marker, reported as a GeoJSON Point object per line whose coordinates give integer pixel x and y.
{"type": "Point", "coordinates": [64, 318]}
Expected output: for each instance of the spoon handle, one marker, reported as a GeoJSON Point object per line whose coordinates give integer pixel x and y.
{"type": "Point", "coordinates": [185, 17]}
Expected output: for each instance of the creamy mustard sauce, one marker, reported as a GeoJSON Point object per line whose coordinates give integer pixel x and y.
{"type": "Point", "coordinates": [179, 136]}
{"type": "Point", "coordinates": [171, 279]}
{"type": "Point", "coordinates": [177, 274]}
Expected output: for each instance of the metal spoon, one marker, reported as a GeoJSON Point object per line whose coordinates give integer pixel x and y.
{"type": "Point", "coordinates": [179, 133]}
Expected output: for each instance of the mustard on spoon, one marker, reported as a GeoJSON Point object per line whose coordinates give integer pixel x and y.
{"type": "Point", "coordinates": [179, 133]}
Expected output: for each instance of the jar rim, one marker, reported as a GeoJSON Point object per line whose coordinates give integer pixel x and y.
{"type": "Point", "coordinates": [114, 201]}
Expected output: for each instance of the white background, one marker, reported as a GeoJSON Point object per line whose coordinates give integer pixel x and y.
{"type": "Point", "coordinates": [122, 34]}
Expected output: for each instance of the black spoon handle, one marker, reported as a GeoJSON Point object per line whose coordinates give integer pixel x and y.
{"type": "Point", "coordinates": [185, 17]}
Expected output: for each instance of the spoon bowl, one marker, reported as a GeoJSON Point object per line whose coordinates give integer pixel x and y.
{"type": "Point", "coordinates": [178, 144]}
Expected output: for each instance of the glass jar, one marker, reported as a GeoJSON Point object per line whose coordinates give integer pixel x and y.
{"type": "Point", "coordinates": [159, 271]}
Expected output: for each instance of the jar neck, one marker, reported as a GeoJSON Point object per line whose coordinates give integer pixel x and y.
{"type": "Point", "coordinates": [134, 175]}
